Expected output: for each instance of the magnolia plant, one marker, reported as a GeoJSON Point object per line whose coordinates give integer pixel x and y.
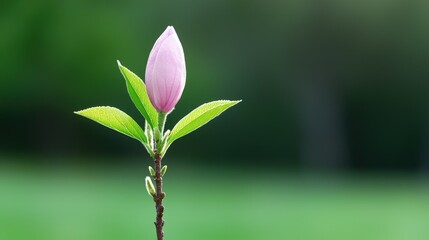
{"type": "Point", "coordinates": [165, 80]}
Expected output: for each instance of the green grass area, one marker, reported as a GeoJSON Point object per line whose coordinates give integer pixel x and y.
{"type": "Point", "coordinates": [112, 205]}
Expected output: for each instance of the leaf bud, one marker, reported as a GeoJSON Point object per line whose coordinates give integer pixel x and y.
{"type": "Point", "coordinates": [149, 134]}
{"type": "Point", "coordinates": [149, 187]}
{"type": "Point", "coordinates": [152, 171]}
{"type": "Point", "coordinates": [163, 170]}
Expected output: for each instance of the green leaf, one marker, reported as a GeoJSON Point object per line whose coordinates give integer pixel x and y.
{"type": "Point", "coordinates": [138, 93]}
{"type": "Point", "coordinates": [115, 119]}
{"type": "Point", "coordinates": [198, 117]}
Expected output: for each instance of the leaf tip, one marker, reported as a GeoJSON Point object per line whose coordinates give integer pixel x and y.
{"type": "Point", "coordinates": [121, 67]}
{"type": "Point", "coordinates": [234, 102]}
{"type": "Point", "coordinates": [78, 112]}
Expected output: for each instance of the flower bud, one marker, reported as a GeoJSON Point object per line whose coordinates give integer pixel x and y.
{"type": "Point", "coordinates": [149, 187]}
{"type": "Point", "coordinates": [166, 71]}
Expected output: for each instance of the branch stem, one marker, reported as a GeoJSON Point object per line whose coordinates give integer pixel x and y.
{"type": "Point", "coordinates": [159, 222]}
{"type": "Point", "coordinates": [160, 195]}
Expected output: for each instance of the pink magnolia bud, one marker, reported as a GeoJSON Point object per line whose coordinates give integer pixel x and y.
{"type": "Point", "coordinates": [166, 71]}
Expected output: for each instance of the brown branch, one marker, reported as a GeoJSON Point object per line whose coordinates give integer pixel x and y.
{"type": "Point", "coordinates": [159, 223]}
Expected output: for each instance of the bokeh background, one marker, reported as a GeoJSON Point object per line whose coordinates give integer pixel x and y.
{"type": "Point", "coordinates": [331, 140]}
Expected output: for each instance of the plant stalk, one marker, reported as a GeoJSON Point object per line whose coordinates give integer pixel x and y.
{"type": "Point", "coordinates": [159, 223]}
{"type": "Point", "coordinates": [160, 195]}
{"type": "Point", "coordinates": [162, 117]}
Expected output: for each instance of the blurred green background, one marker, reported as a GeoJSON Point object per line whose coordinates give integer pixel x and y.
{"type": "Point", "coordinates": [331, 140]}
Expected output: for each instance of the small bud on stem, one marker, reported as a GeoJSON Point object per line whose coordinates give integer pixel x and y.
{"type": "Point", "coordinates": [163, 170]}
{"type": "Point", "coordinates": [152, 171]}
{"type": "Point", "coordinates": [149, 187]}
